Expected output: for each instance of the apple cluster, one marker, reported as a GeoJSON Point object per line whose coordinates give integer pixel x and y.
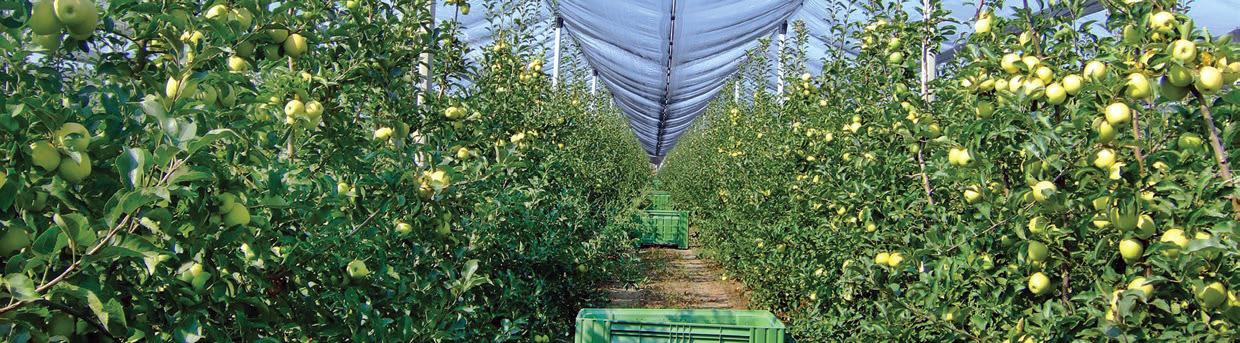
{"type": "Point", "coordinates": [51, 19]}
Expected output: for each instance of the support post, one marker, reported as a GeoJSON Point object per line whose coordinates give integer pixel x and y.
{"type": "Point", "coordinates": [736, 89]}
{"type": "Point", "coordinates": [928, 62]}
{"type": "Point", "coordinates": [555, 67]}
{"type": "Point", "coordinates": [594, 83]}
{"type": "Point", "coordinates": [779, 67]}
{"type": "Point", "coordinates": [424, 64]}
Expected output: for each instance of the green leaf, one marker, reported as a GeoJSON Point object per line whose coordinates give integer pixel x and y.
{"type": "Point", "coordinates": [191, 174]}
{"type": "Point", "coordinates": [21, 287]}
{"type": "Point", "coordinates": [128, 202]}
{"type": "Point", "coordinates": [211, 137]}
{"type": "Point", "coordinates": [50, 241]}
{"type": "Point", "coordinates": [77, 228]}
{"type": "Point", "coordinates": [131, 165]}
{"type": "Point", "coordinates": [110, 252]}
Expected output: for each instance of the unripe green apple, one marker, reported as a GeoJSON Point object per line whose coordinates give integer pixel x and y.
{"type": "Point", "coordinates": [314, 108]}
{"type": "Point", "coordinates": [237, 64]}
{"type": "Point", "coordinates": [295, 45]}
{"type": "Point", "coordinates": [73, 136]}
{"type": "Point", "coordinates": [1056, 94]}
{"type": "Point", "coordinates": [89, 21]}
{"type": "Point", "coordinates": [895, 58]}
{"type": "Point", "coordinates": [208, 95]}
{"type": "Point", "coordinates": [75, 12]}
{"type": "Point", "coordinates": [1140, 283]}
{"type": "Point", "coordinates": [48, 42]}
{"type": "Point", "coordinates": [200, 281]}
{"type": "Point", "coordinates": [343, 187]}
{"type": "Point", "coordinates": [1170, 91]}
{"type": "Point", "coordinates": [895, 259]}
{"type": "Point", "coordinates": [1104, 158]}
{"type": "Point", "coordinates": [238, 215]}
{"type": "Point", "coordinates": [1008, 63]}
{"type": "Point", "coordinates": [403, 228]}
{"type": "Point", "coordinates": [75, 171]}
{"type": "Point", "coordinates": [1037, 225]}
{"type": "Point", "coordinates": [984, 109]}
{"type": "Point", "coordinates": [243, 16]}
{"type": "Point", "coordinates": [14, 240]}
{"type": "Point", "coordinates": [1184, 51]}
{"type": "Point", "coordinates": [1106, 132]}
{"type": "Point", "coordinates": [881, 258]}
{"type": "Point", "coordinates": [217, 11]}
{"type": "Point", "coordinates": [1039, 284]}
{"type": "Point", "coordinates": [1231, 73]}
{"type": "Point", "coordinates": [1038, 251]}
{"type": "Point", "coordinates": [383, 133]}
{"type": "Point", "coordinates": [1095, 70]}
{"type": "Point", "coordinates": [1072, 84]}
{"type": "Point", "coordinates": [1131, 250]}
{"type": "Point", "coordinates": [462, 153]}
{"type": "Point", "coordinates": [1174, 236]}
{"type": "Point", "coordinates": [1212, 295]}
{"type": "Point", "coordinates": [277, 35]}
{"type": "Point", "coordinates": [1118, 113]}
{"type": "Point", "coordinates": [1045, 74]}
{"type": "Point", "coordinates": [294, 108]}
{"type": "Point", "coordinates": [1131, 35]}
{"type": "Point", "coordinates": [1139, 86]}
{"type": "Point", "coordinates": [1163, 21]}
{"type": "Point", "coordinates": [1043, 190]}
{"type": "Point", "coordinates": [1211, 80]}
{"type": "Point", "coordinates": [43, 20]}
{"type": "Point", "coordinates": [357, 269]}
{"type": "Point", "coordinates": [1145, 227]}
{"type": "Point", "coordinates": [1189, 142]}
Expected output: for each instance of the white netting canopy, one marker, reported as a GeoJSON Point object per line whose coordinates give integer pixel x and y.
{"type": "Point", "coordinates": [664, 60]}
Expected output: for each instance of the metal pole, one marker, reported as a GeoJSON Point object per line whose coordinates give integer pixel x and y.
{"type": "Point", "coordinates": [779, 68]}
{"type": "Point", "coordinates": [928, 64]}
{"type": "Point", "coordinates": [594, 83]}
{"type": "Point", "coordinates": [736, 89]}
{"type": "Point", "coordinates": [555, 68]}
{"type": "Point", "coordinates": [424, 65]}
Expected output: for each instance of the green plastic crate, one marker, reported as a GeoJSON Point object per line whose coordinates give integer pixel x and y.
{"type": "Point", "coordinates": [677, 326]}
{"type": "Point", "coordinates": [666, 228]}
{"type": "Point", "coordinates": [660, 201]}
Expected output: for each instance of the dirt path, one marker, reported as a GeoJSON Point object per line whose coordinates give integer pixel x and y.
{"type": "Point", "coordinates": [679, 279]}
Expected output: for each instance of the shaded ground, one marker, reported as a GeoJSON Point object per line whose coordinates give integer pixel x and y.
{"type": "Point", "coordinates": [679, 279]}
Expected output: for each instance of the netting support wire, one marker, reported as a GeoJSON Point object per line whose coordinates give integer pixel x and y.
{"type": "Point", "coordinates": [736, 88]}
{"type": "Point", "coordinates": [667, 85]}
{"type": "Point", "coordinates": [424, 65]}
{"type": "Point", "coordinates": [928, 65]}
{"type": "Point", "coordinates": [779, 67]}
{"type": "Point", "coordinates": [555, 67]}
{"type": "Point", "coordinates": [594, 83]}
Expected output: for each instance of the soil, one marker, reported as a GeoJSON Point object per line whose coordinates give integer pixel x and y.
{"type": "Point", "coordinates": [680, 279]}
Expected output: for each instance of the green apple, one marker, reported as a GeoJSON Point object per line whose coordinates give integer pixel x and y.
{"type": "Point", "coordinates": [314, 108]}
{"type": "Point", "coordinates": [1118, 113]}
{"type": "Point", "coordinates": [357, 269]}
{"type": "Point", "coordinates": [1189, 142]}
{"type": "Point", "coordinates": [208, 95]}
{"type": "Point", "coordinates": [1056, 94]}
{"type": "Point", "coordinates": [1163, 21]}
{"type": "Point", "coordinates": [984, 109]}
{"type": "Point", "coordinates": [75, 12]}
{"type": "Point", "coordinates": [343, 187]}
{"type": "Point", "coordinates": [199, 282]}
{"type": "Point", "coordinates": [1231, 73]}
{"type": "Point", "coordinates": [182, 88]}
{"type": "Point", "coordinates": [895, 58]}
{"type": "Point", "coordinates": [1095, 70]}
{"type": "Point", "coordinates": [43, 20]}
{"type": "Point", "coordinates": [73, 136]}
{"type": "Point", "coordinates": [246, 49]}
{"type": "Point", "coordinates": [243, 17]}
{"type": "Point", "coordinates": [14, 240]}
{"type": "Point", "coordinates": [295, 45]}
{"type": "Point", "coordinates": [1212, 295]}
{"type": "Point", "coordinates": [1043, 190]}
{"type": "Point", "coordinates": [881, 258]}
{"type": "Point", "coordinates": [238, 215]}
{"type": "Point", "coordinates": [982, 25]}
{"type": "Point", "coordinates": [1184, 51]}
{"type": "Point", "coordinates": [75, 171]}
{"type": "Point", "coordinates": [1174, 236]}
{"type": "Point", "coordinates": [48, 42]}
{"type": "Point", "coordinates": [403, 228]}
{"type": "Point", "coordinates": [1170, 91]}
{"type": "Point", "coordinates": [1008, 63]}
{"type": "Point", "coordinates": [1039, 284]}
{"type": "Point", "coordinates": [351, 4]}
{"type": "Point", "coordinates": [1045, 74]}
{"type": "Point", "coordinates": [62, 325]}
{"type": "Point", "coordinates": [237, 64]}
{"type": "Point", "coordinates": [277, 35]}
{"type": "Point", "coordinates": [895, 259]}
{"type": "Point", "coordinates": [1016, 83]}
{"type": "Point", "coordinates": [462, 153]}
{"type": "Point", "coordinates": [1145, 227]}
{"type": "Point", "coordinates": [1211, 80]}
{"type": "Point", "coordinates": [217, 11]}
{"type": "Point", "coordinates": [1131, 35]}
{"type": "Point", "coordinates": [89, 22]}
{"type": "Point", "coordinates": [1072, 84]}
{"type": "Point", "coordinates": [1104, 158]}
{"type": "Point", "coordinates": [383, 133]}
{"type": "Point", "coordinates": [1131, 250]}
{"type": "Point", "coordinates": [1139, 86]}
{"type": "Point", "coordinates": [1179, 75]}
{"type": "Point", "coordinates": [1037, 225]}
{"type": "Point", "coordinates": [294, 108]}
{"type": "Point", "coordinates": [1035, 88]}
{"type": "Point", "coordinates": [1038, 251]}
{"type": "Point", "coordinates": [1140, 283]}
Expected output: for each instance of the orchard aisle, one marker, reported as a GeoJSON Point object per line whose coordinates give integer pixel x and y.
{"type": "Point", "coordinates": [680, 279]}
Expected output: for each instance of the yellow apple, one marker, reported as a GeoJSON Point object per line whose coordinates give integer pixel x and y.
{"type": "Point", "coordinates": [982, 25]}
{"type": "Point", "coordinates": [1008, 63]}
{"type": "Point", "coordinates": [357, 269]}
{"type": "Point", "coordinates": [295, 45]}
{"type": "Point", "coordinates": [1039, 284]}
{"type": "Point", "coordinates": [1032, 63]}
{"type": "Point", "coordinates": [1163, 21]}
{"type": "Point", "coordinates": [1104, 158]}
{"type": "Point", "coordinates": [1211, 80]}
{"type": "Point", "coordinates": [1043, 190]}
{"type": "Point", "coordinates": [1038, 251]}
{"type": "Point", "coordinates": [1145, 227]}
{"type": "Point", "coordinates": [294, 108]}
{"type": "Point", "coordinates": [1184, 51]}
{"type": "Point", "coordinates": [1174, 236]}
{"type": "Point", "coordinates": [73, 136]}
{"type": "Point", "coordinates": [75, 171]}
{"type": "Point", "coordinates": [237, 64]}
{"type": "Point", "coordinates": [895, 259]}
{"type": "Point", "coordinates": [882, 258]}
{"type": "Point", "coordinates": [1140, 283]}
{"type": "Point", "coordinates": [1231, 73]}
{"type": "Point", "coordinates": [43, 20]}
{"type": "Point", "coordinates": [1072, 84]}
{"type": "Point", "coordinates": [1045, 74]}
{"type": "Point", "coordinates": [44, 155]}
{"type": "Point", "coordinates": [1056, 94]}
{"type": "Point", "coordinates": [383, 133]}
{"type": "Point", "coordinates": [462, 153]}
{"type": "Point", "coordinates": [1118, 113]}
{"type": "Point", "coordinates": [1138, 86]}
{"type": "Point", "coordinates": [314, 108]}
{"type": "Point", "coordinates": [1130, 250]}
{"type": "Point", "coordinates": [1095, 70]}
{"type": "Point", "coordinates": [1212, 295]}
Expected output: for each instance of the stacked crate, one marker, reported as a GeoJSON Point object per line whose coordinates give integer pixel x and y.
{"type": "Point", "coordinates": [662, 225]}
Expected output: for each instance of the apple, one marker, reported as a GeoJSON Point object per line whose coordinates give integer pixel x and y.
{"type": "Point", "coordinates": [882, 258]}
{"type": "Point", "coordinates": [1174, 236]}
{"type": "Point", "coordinates": [237, 64]}
{"type": "Point", "coordinates": [1043, 190]}
{"type": "Point", "coordinates": [295, 45]}
{"type": "Point", "coordinates": [217, 11]}
{"type": "Point", "coordinates": [199, 282]}
{"type": "Point", "coordinates": [1130, 250]}
{"type": "Point", "coordinates": [237, 215]}
{"type": "Point", "coordinates": [1184, 51]}
{"type": "Point", "coordinates": [1095, 70]}
{"type": "Point", "coordinates": [1056, 94]}
{"type": "Point", "coordinates": [972, 196]}
{"type": "Point", "coordinates": [1131, 35]}
{"type": "Point", "coordinates": [984, 109]}
{"type": "Point", "coordinates": [1212, 295]}
{"type": "Point", "coordinates": [895, 58]}
{"type": "Point", "coordinates": [1211, 80]}
{"type": "Point", "coordinates": [1106, 132]}
{"type": "Point", "coordinates": [986, 85]}
{"type": "Point", "coordinates": [1034, 88]}
{"type": "Point", "coordinates": [1001, 85]}
{"type": "Point", "coordinates": [982, 25]}
{"type": "Point", "coordinates": [73, 136]}
{"type": "Point", "coordinates": [1032, 63]}
{"type": "Point", "coordinates": [75, 171]}
{"type": "Point", "coordinates": [75, 12]}
{"type": "Point", "coordinates": [1189, 142]}
{"type": "Point", "coordinates": [183, 87]}
{"type": "Point", "coordinates": [1138, 86]}
{"type": "Point", "coordinates": [1170, 91]}
{"type": "Point", "coordinates": [465, 9]}
{"type": "Point", "coordinates": [342, 187]}
{"type": "Point", "coordinates": [208, 95]}
{"type": "Point", "coordinates": [1140, 283]}
{"type": "Point", "coordinates": [1231, 73]}
{"type": "Point", "coordinates": [243, 17]}
{"type": "Point", "coordinates": [43, 20]}
{"type": "Point", "coordinates": [351, 4]}
{"type": "Point", "coordinates": [357, 269]}
{"type": "Point", "coordinates": [1037, 225]}
{"type": "Point", "coordinates": [1039, 284]}
{"type": "Point", "coordinates": [14, 240]}
{"type": "Point", "coordinates": [959, 156]}
{"type": "Point", "coordinates": [277, 35]}
{"type": "Point", "coordinates": [48, 42]}
{"type": "Point", "coordinates": [462, 153]}
{"type": "Point", "coordinates": [1038, 251]}
{"type": "Point", "coordinates": [403, 228]}
{"type": "Point", "coordinates": [1026, 37]}
{"type": "Point", "coordinates": [294, 108]}
{"type": "Point", "coordinates": [894, 259]}
{"type": "Point", "coordinates": [1045, 74]}
{"type": "Point", "coordinates": [1072, 84]}
{"type": "Point", "coordinates": [1116, 172]}
{"type": "Point", "coordinates": [1104, 158]}
{"type": "Point", "coordinates": [62, 325]}
{"type": "Point", "coordinates": [1118, 113]}
{"type": "Point", "coordinates": [383, 133]}
{"type": "Point", "coordinates": [1016, 83]}
{"type": "Point", "coordinates": [1009, 63]}
{"type": "Point", "coordinates": [314, 108]}
{"type": "Point", "coordinates": [1163, 22]}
